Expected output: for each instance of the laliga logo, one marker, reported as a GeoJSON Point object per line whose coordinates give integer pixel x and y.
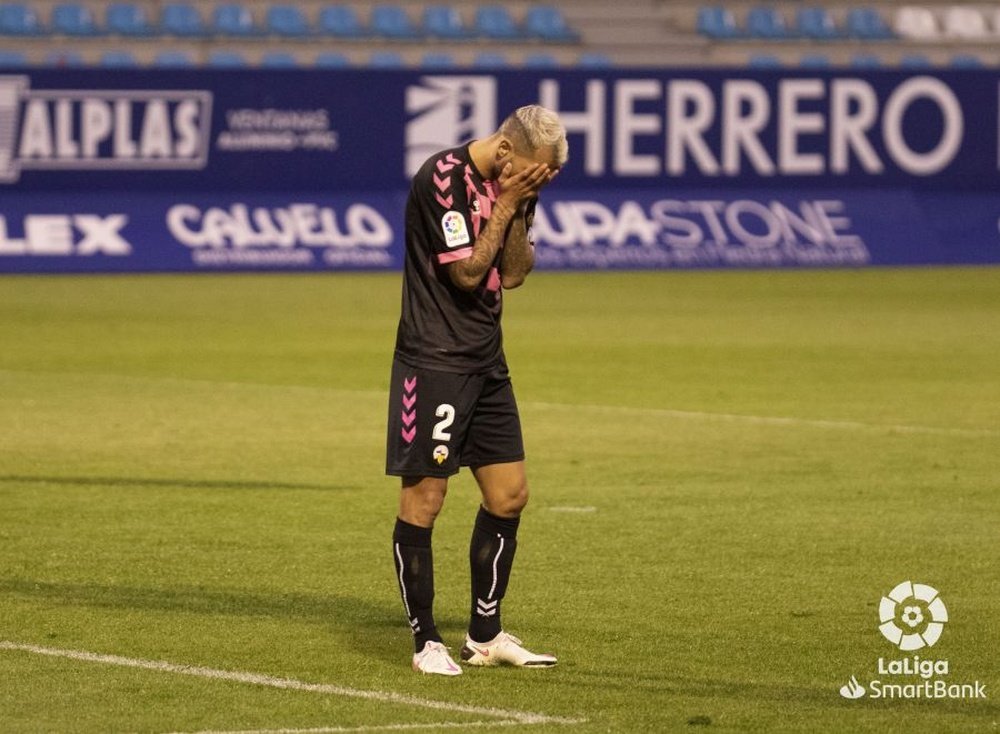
{"type": "Point", "coordinates": [912, 616]}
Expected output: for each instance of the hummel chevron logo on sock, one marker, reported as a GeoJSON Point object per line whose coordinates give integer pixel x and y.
{"type": "Point", "coordinates": [415, 625]}
{"type": "Point", "coordinates": [486, 608]}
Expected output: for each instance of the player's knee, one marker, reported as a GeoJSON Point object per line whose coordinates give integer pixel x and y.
{"type": "Point", "coordinates": [422, 500]}
{"type": "Point", "coordinates": [512, 501]}
{"type": "Point", "coordinates": [519, 500]}
{"type": "Point", "coordinates": [432, 496]}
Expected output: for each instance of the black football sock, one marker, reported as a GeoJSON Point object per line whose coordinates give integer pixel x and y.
{"type": "Point", "coordinates": [491, 555]}
{"type": "Point", "coordinates": [411, 551]}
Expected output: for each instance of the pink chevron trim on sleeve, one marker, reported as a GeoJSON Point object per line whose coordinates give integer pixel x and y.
{"type": "Point", "coordinates": [445, 167]}
{"type": "Point", "coordinates": [460, 254]}
{"type": "Point", "coordinates": [452, 159]}
{"type": "Point", "coordinates": [446, 202]}
{"type": "Point", "coordinates": [443, 184]}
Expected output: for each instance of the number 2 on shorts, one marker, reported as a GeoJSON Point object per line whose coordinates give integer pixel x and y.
{"type": "Point", "coordinates": [447, 414]}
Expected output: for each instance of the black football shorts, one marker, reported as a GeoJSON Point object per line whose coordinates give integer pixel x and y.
{"type": "Point", "coordinates": [439, 421]}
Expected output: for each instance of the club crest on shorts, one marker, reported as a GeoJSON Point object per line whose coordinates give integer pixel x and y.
{"type": "Point", "coordinates": [440, 454]}
{"type": "Point", "coordinates": [455, 231]}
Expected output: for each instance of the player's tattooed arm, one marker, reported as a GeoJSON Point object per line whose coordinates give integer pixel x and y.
{"type": "Point", "coordinates": [518, 256]}
{"type": "Point", "coordinates": [467, 274]}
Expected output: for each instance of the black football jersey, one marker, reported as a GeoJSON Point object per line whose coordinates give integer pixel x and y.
{"type": "Point", "coordinates": [443, 327]}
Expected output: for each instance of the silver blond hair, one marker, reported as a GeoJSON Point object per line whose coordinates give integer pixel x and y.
{"type": "Point", "coordinates": [532, 127]}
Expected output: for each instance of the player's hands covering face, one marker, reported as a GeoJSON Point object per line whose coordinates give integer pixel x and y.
{"type": "Point", "coordinates": [525, 184]}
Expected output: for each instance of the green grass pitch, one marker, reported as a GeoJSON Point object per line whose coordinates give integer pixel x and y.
{"type": "Point", "coordinates": [728, 471]}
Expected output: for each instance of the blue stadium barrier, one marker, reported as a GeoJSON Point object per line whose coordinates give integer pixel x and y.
{"type": "Point", "coordinates": [184, 180]}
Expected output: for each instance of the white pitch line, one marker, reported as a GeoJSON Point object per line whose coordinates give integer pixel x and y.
{"type": "Point", "coordinates": [773, 420]}
{"type": "Point", "coordinates": [383, 727]}
{"type": "Point", "coordinates": [257, 679]}
{"type": "Point", "coordinates": [768, 420]}
{"type": "Point", "coordinates": [578, 510]}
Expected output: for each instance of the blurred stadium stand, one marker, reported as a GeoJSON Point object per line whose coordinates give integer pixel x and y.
{"type": "Point", "coordinates": [72, 19]}
{"type": "Point", "coordinates": [182, 20]}
{"type": "Point", "coordinates": [518, 34]}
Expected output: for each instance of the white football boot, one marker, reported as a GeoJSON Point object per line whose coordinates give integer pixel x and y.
{"type": "Point", "coordinates": [503, 649]}
{"type": "Point", "coordinates": [434, 659]}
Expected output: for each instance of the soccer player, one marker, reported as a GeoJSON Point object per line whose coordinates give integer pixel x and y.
{"type": "Point", "coordinates": [451, 403]}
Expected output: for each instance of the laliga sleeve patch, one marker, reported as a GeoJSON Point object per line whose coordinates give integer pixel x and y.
{"type": "Point", "coordinates": [455, 231]}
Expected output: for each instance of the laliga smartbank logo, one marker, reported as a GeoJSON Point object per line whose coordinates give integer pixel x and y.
{"type": "Point", "coordinates": [94, 129]}
{"type": "Point", "coordinates": [912, 617]}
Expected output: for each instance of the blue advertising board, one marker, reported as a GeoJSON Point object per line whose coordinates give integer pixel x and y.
{"type": "Point", "coordinates": [187, 170]}
{"type": "Point", "coordinates": [137, 232]}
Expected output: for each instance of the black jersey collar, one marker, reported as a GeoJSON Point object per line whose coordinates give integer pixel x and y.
{"type": "Point", "coordinates": [472, 162]}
